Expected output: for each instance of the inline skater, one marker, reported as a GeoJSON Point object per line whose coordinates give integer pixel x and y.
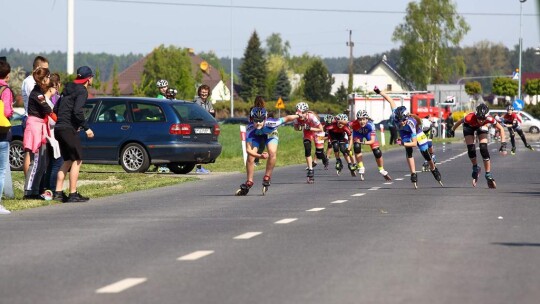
{"type": "Point", "coordinates": [341, 138]}
{"type": "Point", "coordinates": [309, 123]}
{"type": "Point", "coordinates": [364, 133]}
{"type": "Point", "coordinates": [512, 121]}
{"type": "Point", "coordinates": [410, 131]}
{"type": "Point", "coordinates": [328, 120]}
{"type": "Point", "coordinates": [475, 123]}
{"type": "Point", "coordinates": [261, 132]}
{"type": "Point", "coordinates": [427, 128]}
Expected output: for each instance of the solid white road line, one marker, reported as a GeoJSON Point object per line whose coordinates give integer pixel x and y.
{"type": "Point", "coordinates": [358, 194]}
{"type": "Point", "coordinates": [195, 255]}
{"type": "Point", "coordinates": [247, 235]}
{"type": "Point", "coordinates": [121, 285]}
{"type": "Point", "coordinates": [286, 221]}
{"type": "Point", "coordinates": [315, 209]}
{"type": "Point", "coordinates": [338, 202]}
{"type": "Point", "coordinates": [374, 188]}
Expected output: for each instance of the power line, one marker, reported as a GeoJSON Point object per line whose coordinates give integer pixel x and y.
{"type": "Point", "coordinates": [325, 10]}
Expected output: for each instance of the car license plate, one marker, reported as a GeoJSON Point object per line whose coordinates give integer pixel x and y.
{"type": "Point", "coordinates": [202, 131]}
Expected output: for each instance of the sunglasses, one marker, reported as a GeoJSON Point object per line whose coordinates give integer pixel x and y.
{"type": "Point", "coordinates": [258, 120]}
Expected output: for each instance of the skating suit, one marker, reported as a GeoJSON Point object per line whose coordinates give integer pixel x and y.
{"type": "Point", "coordinates": [313, 122]}
{"type": "Point", "coordinates": [267, 134]}
{"type": "Point", "coordinates": [509, 119]}
{"type": "Point", "coordinates": [412, 130]}
{"type": "Point", "coordinates": [368, 132]}
{"type": "Point", "coordinates": [335, 133]}
{"type": "Point", "coordinates": [472, 125]}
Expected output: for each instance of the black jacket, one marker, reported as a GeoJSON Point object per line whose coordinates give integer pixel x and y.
{"type": "Point", "coordinates": [69, 109]}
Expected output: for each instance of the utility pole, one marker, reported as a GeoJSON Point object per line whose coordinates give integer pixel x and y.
{"type": "Point", "coordinates": [70, 35]}
{"type": "Point", "coordinates": [350, 44]}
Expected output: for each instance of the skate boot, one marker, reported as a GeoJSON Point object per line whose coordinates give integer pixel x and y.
{"type": "Point", "coordinates": [310, 176]}
{"type": "Point", "coordinates": [475, 173]}
{"type": "Point", "coordinates": [266, 184]}
{"type": "Point", "coordinates": [490, 181]}
{"type": "Point", "coordinates": [352, 168]}
{"type": "Point", "coordinates": [513, 151]}
{"type": "Point", "coordinates": [414, 179]}
{"type": "Point", "coordinates": [385, 174]}
{"type": "Point", "coordinates": [339, 166]}
{"type": "Point", "coordinates": [325, 162]}
{"type": "Point", "coordinates": [362, 171]}
{"type": "Point", "coordinates": [425, 166]}
{"type": "Point", "coordinates": [529, 147]}
{"type": "Point", "coordinates": [437, 175]}
{"type": "Point", "coordinates": [434, 158]}
{"type": "Point", "coordinates": [244, 188]}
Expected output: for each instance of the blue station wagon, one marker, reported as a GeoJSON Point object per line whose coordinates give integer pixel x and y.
{"type": "Point", "coordinates": [137, 132]}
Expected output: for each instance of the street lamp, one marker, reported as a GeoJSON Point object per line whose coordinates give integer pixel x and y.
{"type": "Point", "coordinates": [520, 46]}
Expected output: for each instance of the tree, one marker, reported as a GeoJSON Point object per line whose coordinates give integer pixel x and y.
{"type": "Point", "coordinates": [317, 82]}
{"type": "Point", "coordinates": [275, 46]}
{"type": "Point", "coordinates": [430, 28]}
{"type": "Point", "coordinates": [170, 63]}
{"type": "Point", "coordinates": [283, 86]}
{"type": "Point", "coordinates": [505, 86]}
{"type": "Point", "coordinates": [253, 70]}
{"type": "Point", "coordinates": [115, 85]}
{"type": "Point", "coordinates": [473, 88]}
{"type": "Point", "coordinates": [341, 94]}
{"type": "Point", "coordinates": [532, 88]}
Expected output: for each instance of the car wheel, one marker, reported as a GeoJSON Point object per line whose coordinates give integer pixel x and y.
{"type": "Point", "coordinates": [181, 168]}
{"type": "Point", "coordinates": [16, 155]}
{"type": "Point", "coordinates": [534, 130]}
{"type": "Point", "coordinates": [134, 158]}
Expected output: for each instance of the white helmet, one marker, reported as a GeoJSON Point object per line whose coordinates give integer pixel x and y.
{"type": "Point", "coordinates": [162, 83]}
{"type": "Point", "coordinates": [302, 106]}
{"type": "Point", "coordinates": [342, 117]}
{"type": "Point", "coordinates": [362, 114]}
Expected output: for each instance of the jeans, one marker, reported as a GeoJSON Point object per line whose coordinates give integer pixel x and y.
{"type": "Point", "coordinates": [4, 155]}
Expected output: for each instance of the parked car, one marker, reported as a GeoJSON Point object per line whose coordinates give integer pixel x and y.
{"type": "Point", "coordinates": [530, 124]}
{"type": "Point", "coordinates": [137, 132]}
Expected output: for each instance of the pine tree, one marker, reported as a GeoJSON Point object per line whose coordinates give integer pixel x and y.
{"type": "Point", "coordinates": [115, 85]}
{"type": "Point", "coordinates": [253, 70]}
{"type": "Point", "coordinates": [283, 86]}
{"type": "Point", "coordinates": [341, 94]}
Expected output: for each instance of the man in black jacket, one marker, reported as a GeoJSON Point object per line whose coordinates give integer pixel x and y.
{"type": "Point", "coordinates": [69, 110]}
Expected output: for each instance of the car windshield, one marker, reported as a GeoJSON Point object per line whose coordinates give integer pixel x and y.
{"type": "Point", "coordinates": [189, 111]}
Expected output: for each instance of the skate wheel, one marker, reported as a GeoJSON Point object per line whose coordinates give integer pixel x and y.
{"type": "Point", "coordinates": [415, 186]}
{"type": "Point", "coordinates": [338, 172]}
{"type": "Point", "coordinates": [361, 177]}
{"type": "Point", "coordinates": [264, 189]}
{"type": "Point", "coordinates": [440, 182]}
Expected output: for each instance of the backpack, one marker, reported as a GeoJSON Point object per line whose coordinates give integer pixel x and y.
{"type": "Point", "coordinates": [5, 124]}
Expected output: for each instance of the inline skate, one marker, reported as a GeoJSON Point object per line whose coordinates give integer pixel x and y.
{"type": "Point", "coordinates": [362, 171]}
{"type": "Point", "coordinates": [414, 180]}
{"type": "Point", "coordinates": [352, 168]}
{"type": "Point", "coordinates": [265, 184]}
{"type": "Point", "coordinates": [310, 176]}
{"type": "Point", "coordinates": [490, 181]}
{"type": "Point", "coordinates": [244, 188]}
{"type": "Point", "coordinates": [385, 174]}
{"type": "Point", "coordinates": [437, 175]}
{"type": "Point", "coordinates": [339, 166]}
{"type": "Point", "coordinates": [475, 173]}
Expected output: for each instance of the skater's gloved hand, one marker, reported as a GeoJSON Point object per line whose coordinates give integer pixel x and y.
{"type": "Point", "coordinates": [515, 124]}
{"type": "Point", "coordinates": [264, 155]}
{"type": "Point", "coordinates": [376, 90]}
{"type": "Point", "coordinates": [307, 127]}
{"type": "Point", "coordinates": [502, 149]}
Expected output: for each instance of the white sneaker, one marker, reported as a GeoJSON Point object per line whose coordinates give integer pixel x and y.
{"type": "Point", "coordinates": [3, 210]}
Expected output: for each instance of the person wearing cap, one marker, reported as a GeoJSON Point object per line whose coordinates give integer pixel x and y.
{"type": "Point", "coordinates": [71, 120]}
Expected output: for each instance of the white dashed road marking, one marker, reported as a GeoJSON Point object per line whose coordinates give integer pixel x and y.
{"type": "Point", "coordinates": [399, 178]}
{"type": "Point", "coordinates": [247, 235]}
{"type": "Point", "coordinates": [286, 221]}
{"type": "Point", "coordinates": [195, 255]}
{"type": "Point", "coordinates": [388, 183]}
{"type": "Point", "coordinates": [358, 194]}
{"type": "Point", "coordinates": [121, 285]}
{"type": "Point", "coordinates": [338, 202]}
{"type": "Point", "coordinates": [374, 188]}
{"type": "Point", "coordinates": [315, 209]}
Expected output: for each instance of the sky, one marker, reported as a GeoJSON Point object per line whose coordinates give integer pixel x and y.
{"type": "Point", "coordinates": [224, 26]}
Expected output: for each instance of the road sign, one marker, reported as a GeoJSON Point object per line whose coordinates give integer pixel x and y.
{"type": "Point", "coordinates": [280, 104]}
{"type": "Point", "coordinates": [518, 104]}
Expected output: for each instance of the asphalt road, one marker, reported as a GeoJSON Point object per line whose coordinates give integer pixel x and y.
{"type": "Point", "coordinates": [339, 240]}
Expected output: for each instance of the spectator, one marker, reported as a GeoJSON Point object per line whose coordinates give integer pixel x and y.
{"type": "Point", "coordinates": [70, 121]}
{"type": "Point", "coordinates": [6, 110]}
{"type": "Point", "coordinates": [449, 125]}
{"type": "Point", "coordinates": [203, 99]}
{"type": "Point", "coordinates": [27, 86]}
{"type": "Point", "coordinates": [35, 134]}
{"type": "Point", "coordinates": [393, 131]}
{"type": "Point", "coordinates": [54, 157]}
{"type": "Point", "coordinates": [163, 86]}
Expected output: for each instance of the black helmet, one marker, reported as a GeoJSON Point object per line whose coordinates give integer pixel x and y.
{"type": "Point", "coordinates": [509, 108]}
{"type": "Point", "coordinates": [482, 111]}
{"type": "Point", "coordinates": [400, 114]}
{"type": "Point", "coordinates": [258, 114]}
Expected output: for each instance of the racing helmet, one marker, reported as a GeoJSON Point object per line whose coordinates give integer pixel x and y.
{"type": "Point", "coordinates": [302, 107]}
{"type": "Point", "coordinates": [362, 114]}
{"type": "Point", "coordinates": [401, 113]}
{"type": "Point", "coordinates": [258, 114]}
{"type": "Point", "coordinates": [509, 108]}
{"type": "Point", "coordinates": [162, 83]}
{"type": "Point", "coordinates": [342, 117]}
{"type": "Point", "coordinates": [482, 111]}
{"type": "Point", "coordinates": [328, 119]}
